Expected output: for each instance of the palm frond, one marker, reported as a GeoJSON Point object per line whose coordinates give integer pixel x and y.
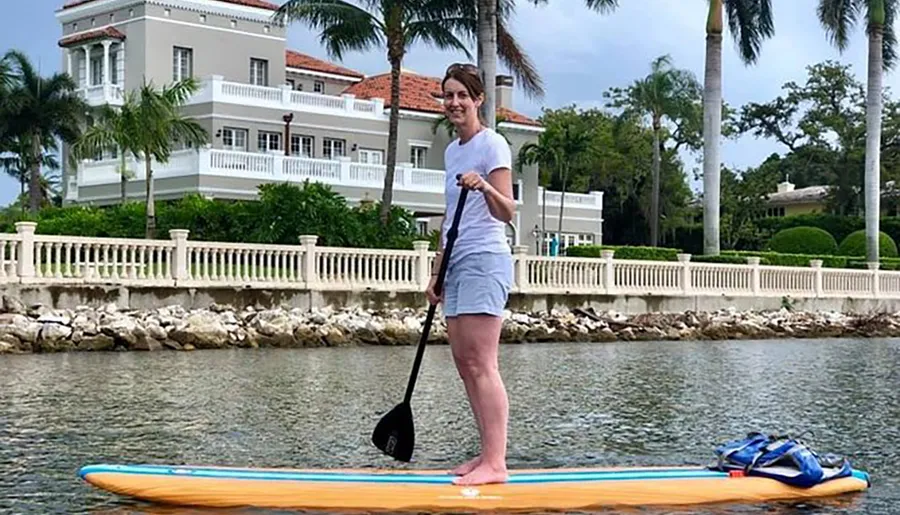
{"type": "Point", "coordinates": [889, 37]}
{"type": "Point", "coordinates": [437, 33]}
{"type": "Point", "coordinates": [750, 22]}
{"type": "Point", "coordinates": [602, 6]}
{"type": "Point", "coordinates": [838, 17]}
{"type": "Point", "coordinates": [343, 25]}
{"type": "Point", "coordinates": [518, 62]}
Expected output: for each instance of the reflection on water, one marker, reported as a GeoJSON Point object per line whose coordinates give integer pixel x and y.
{"type": "Point", "coordinates": [603, 404]}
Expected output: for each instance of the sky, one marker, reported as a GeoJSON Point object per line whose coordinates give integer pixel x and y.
{"type": "Point", "coordinates": [579, 54]}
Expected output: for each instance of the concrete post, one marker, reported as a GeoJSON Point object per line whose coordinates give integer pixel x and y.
{"type": "Point", "coordinates": [753, 261]}
{"type": "Point", "coordinates": [179, 259]}
{"type": "Point", "coordinates": [309, 259]}
{"type": "Point", "coordinates": [520, 268]}
{"type": "Point", "coordinates": [423, 271]}
{"type": "Point", "coordinates": [685, 260]}
{"type": "Point", "coordinates": [25, 256]}
{"type": "Point", "coordinates": [817, 266]}
{"type": "Point", "coordinates": [876, 279]}
{"type": "Point", "coordinates": [609, 276]}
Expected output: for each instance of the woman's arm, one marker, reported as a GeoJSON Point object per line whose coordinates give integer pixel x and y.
{"type": "Point", "coordinates": [497, 190]}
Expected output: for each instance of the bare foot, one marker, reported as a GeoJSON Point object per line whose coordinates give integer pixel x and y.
{"type": "Point", "coordinates": [467, 467]}
{"type": "Point", "coordinates": [483, 474]}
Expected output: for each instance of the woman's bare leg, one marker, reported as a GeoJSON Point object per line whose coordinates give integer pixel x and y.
{"type": "Point", "coordinates": [465, 468]}
{"type": "Point", "coordinates": [475, 346]}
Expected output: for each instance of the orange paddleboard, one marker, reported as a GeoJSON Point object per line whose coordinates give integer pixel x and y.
{"type": "Point", "coordinates": [432, 490]}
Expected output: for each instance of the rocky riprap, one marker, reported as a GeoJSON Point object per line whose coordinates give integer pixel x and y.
{"type": "Point", "coordinates": [36, 328]}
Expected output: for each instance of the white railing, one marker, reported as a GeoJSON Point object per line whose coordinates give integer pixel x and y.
{"type": "Point", "coordinates": [217, 89]}
{"type": "Point", "coordinates": [113, 94]}
{"type": "Point", "coordinates": [30, 258]}
{"type": "Point", "coordinates": [274, 166]}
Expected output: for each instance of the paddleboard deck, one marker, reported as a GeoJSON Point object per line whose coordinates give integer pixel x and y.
{"type": "Point", "coordinates": [433, 490]}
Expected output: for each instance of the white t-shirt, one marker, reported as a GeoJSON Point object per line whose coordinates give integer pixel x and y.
{"type": "Point", "coordinates": [479, 231]}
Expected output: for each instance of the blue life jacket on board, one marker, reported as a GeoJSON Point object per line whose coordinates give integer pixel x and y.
{"type": "Point", "coordinates": [782, 458]}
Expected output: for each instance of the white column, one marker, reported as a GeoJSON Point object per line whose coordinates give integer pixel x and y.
{"type": "Point", "coordinates": [87, 66]}
{"type": "Point", "coordinates": [69, 62]}
{"type": "Point", "coordinates": [106, 62]}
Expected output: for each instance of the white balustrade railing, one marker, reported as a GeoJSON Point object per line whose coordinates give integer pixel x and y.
{"type": "Point", "coordinates": [30, 258]}
{"type": "Point", "coordinates": [216, 89]}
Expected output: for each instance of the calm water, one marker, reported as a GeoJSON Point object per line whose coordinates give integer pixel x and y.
{"type": "Point", "coordinates": [571, 404]}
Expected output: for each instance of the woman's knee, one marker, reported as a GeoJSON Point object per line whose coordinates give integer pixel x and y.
{"type": "Point", "coordinates": [474, 347]}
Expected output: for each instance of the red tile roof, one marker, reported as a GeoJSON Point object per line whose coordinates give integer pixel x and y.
{"type": "Point", "coordinates": [262, 4]}
{"type": "Point", "coordinates": [108, 32]}
{"type": "Point", "coordinates": [295, 59]}
{"type": "Point", "coordinates": [419, 93]}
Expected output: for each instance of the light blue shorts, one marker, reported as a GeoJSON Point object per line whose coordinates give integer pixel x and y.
{"type": "Point", "coordinates": [478, 283]}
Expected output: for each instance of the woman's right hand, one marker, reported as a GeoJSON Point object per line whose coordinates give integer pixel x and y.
{"type": "Point", "coordinates": [429, 292]}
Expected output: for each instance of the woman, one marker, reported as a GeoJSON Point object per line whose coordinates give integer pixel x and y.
{"type": "Point", "coordinates": [479, 273]}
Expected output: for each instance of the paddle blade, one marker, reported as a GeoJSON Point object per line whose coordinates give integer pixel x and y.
{"type": "Point", "coordinates": [395, 434]}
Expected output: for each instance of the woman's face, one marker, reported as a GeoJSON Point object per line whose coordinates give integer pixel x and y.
{"type": "Point", "coordinates": [459, 106]}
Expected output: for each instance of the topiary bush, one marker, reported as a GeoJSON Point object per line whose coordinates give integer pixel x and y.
{"type": "Point", "coordinates": [803, 240]}
{"type": "Point", "coordinates": [855, 245]}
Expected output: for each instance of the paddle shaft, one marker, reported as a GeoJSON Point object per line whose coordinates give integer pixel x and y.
{"type": "Point", "coordinates": [438, 287]}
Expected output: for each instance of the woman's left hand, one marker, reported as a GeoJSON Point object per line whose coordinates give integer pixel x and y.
{"type": "Point", "coordinates": [473, 181]}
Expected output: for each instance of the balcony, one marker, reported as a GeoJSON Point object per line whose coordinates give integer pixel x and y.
{"type": "Point", "coordinates": [216, 89]}
{"type": "Point", "coordinates": [112, 94]}
{"type": "Point", "coordinates": [341, 173]}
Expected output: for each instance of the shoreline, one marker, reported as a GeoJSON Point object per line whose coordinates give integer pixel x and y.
{"type": "Point", "coordinates": [39, 329]}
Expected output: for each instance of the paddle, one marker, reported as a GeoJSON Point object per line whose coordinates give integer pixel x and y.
{"type": "Point", "coordinates": [395, 433]}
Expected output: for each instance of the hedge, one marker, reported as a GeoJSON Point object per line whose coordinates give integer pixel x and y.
{"type": "Point", "coordinates": [854, 245]}
{"type": "Point", "coordinates": [626, 252]}
{"type": "Point", "coordinates": [803, 240]}
{"type": "Point", "coordinates": [282, 213]}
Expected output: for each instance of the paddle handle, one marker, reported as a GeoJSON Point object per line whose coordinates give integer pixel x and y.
{"type": "Point", "coordinates": [438, 287]}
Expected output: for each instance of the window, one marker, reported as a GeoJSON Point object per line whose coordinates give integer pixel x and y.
{"type": "Point", "coordinates": [96, 70]}
{"type": "Point", "coordinates": [332, 148]}
{"type": "Point", "coordinates": [301, 145]}
{"type": "Point", "coordinates": [259, 72]}
{"type": "Point", "coordinates": [371, 156]}
{"type": "Point", "coordinates": [182, 63]}
{"type": "Point", "coordinates": [418, 156]}
{"type": "Point", "coordinates": [268, 141]}
{"type": "Point", "coordinates": [319, 86]}
{"type": "Point", "coordinates": [202, 18]}
{"type": "Point", "coordinates": [291, 83]}
{"type": "Point", "coordinates": [234, 139]}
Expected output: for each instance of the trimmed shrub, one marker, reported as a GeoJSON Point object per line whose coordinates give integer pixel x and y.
{"type": "Point", "coordinates": [625, 252]}
{"type": "Point", "coordinates": [778, 259]}
{"type": "Point", "coordinates": [854, 245]}
{"type": "Point", "coordinates": [803, 240]}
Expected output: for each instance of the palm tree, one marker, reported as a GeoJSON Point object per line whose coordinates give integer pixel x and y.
{"type": "Point", "coordinates": [750, 22]}
{"type": "Point", "coordinates": [666, 92]}
{"type": "Point", "coordinates": [559, 151]}
{"type": "Point", "coordinates": [838, 18]}
{"type": "Point", "coordinates": [392, 24]}
{"type": "Point", "coordinates": [148, 126]}
{"type": "Point", "coordinates": [494, 40]}
{"type": "Point", "coordinates": [42, 109]}
{"type": "Point", "coordinates": [113, 128]}
{"type": "Point", "coordinates": [18, 166]}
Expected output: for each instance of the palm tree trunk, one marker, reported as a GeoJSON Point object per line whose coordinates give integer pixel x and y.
{"type": "Point", "coordinates": [654, 195]}
{"type": "Point", "coordinates": [562, 201]}
{"type": "Point", "coordinates": [872, 180]}
{"type": "Point", "coordinates": [543, 219]}
{"type": "Point", "coordinates": [34, 179]}
{"type": "Point", "coordinates": [712, 128]}
{"type": "Point", "coordinates": [151, 202]}
{"type": "Point", "coordinates": [388, 191]}
{"type": "Point", "coordinates": [22, 178]}
{"type": "Point", "coordinates": [124, 180]}
{"type": "Point", "coordinates": [487, 59]}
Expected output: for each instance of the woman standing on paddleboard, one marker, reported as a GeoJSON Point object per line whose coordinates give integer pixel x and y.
{"type": "Point", "coordinates": [479, 272]}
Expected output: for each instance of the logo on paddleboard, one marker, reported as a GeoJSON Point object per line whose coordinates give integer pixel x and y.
{"type": "Point", "coordinates": [470, 493]}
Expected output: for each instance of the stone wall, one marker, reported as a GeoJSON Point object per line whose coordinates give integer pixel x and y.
{"type": "Point", "coordinates": [144, 297]}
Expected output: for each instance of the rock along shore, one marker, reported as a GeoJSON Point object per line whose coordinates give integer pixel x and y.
{"type": "Point", "coordinates": [37, 329]}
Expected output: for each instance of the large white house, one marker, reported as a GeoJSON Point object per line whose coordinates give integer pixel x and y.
{"type": "Point", "coordinates": [277, 115]}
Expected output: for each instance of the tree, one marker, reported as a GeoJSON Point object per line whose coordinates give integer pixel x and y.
{"type": "Point", "coordinates": [666, 93]}
{"type": "Point", "coordinates": [837, 18]}
{"type": "Point", "coordinates": [42, 109]}
{"type": "Point", "coordinates": [561, 148]}
{"type": "Point", "coordinates": [394, 24]}
{"type": "Point", "coordinates": [118, 129]}
{"type": "Point", "coordinates": [493, 41]}
{"type": "Point", "coordinates": [750, 22]}
{"type": "Point", "coordinates": [18, 165]}
{"type": "Point", "coordinates": [149, 126]}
